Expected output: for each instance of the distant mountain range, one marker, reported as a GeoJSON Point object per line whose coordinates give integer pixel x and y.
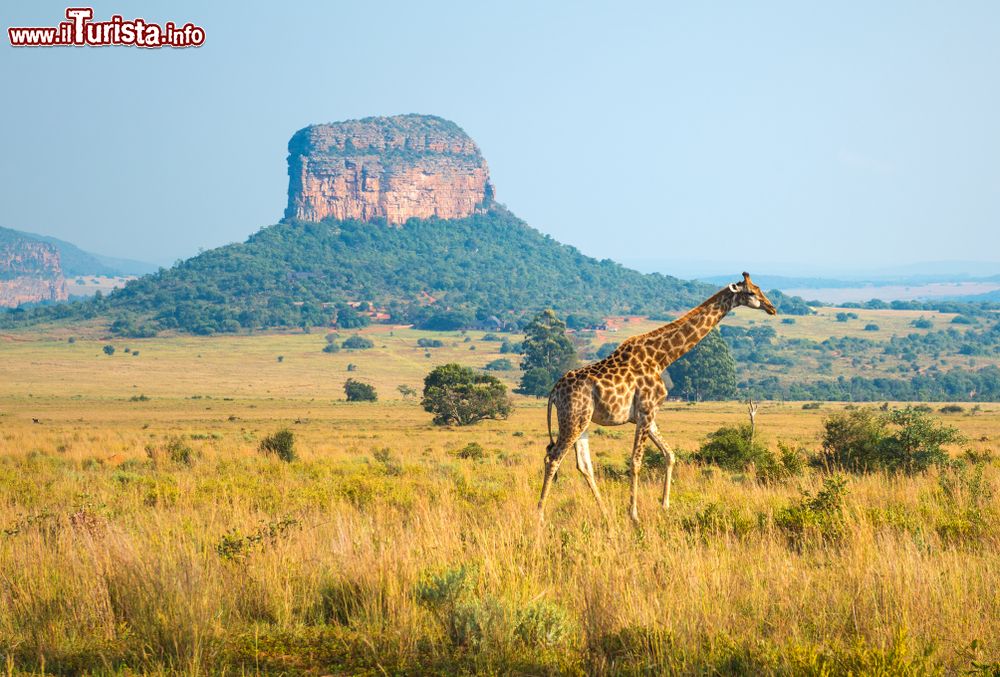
{"type": "Point", "coordinates": [788, 282]}
{"type": "Point", "coordinates": [75, 261]}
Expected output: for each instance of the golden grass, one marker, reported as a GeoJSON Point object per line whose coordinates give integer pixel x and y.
{"type": "Point", "coordinates": [113, 559]}
{"type": "Point", "coordinates": [116, 557]}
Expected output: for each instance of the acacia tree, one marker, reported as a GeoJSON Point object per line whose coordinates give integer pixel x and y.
{"type": "Point", "coordinates": [457, 395]}
{"type": "Point", "coordinates": [707, 372]}
{"type": "Point", "coordinates": [548, 354]}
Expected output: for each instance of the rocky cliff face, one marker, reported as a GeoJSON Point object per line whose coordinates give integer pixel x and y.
{"type": "Point", "coordinates": [29, 272]}
{"type": "Point", "coordinates": [391, 168]}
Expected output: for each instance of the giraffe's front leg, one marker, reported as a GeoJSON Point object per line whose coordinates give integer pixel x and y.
{"type": "Point", "coordinates": [669, 458]}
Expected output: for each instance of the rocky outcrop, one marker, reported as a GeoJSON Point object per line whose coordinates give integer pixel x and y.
{"type": "Point", "coordinates": [391, 168]}
{"type": "Point", "coordinates": [29, 272]}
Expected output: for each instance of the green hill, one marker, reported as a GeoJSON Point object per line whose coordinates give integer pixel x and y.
{"type": "Point", "coordinates": [437, 273]}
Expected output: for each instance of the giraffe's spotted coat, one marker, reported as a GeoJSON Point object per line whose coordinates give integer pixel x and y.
{"type": "Point", "coordinates": [627, 386]}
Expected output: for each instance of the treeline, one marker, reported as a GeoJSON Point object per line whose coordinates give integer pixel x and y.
{"type": "Point", "coordinates": [957, 385]}
{"type": "Point", "coordinates": [962, 307]}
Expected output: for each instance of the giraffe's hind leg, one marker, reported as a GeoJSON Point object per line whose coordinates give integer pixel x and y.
{"type": "Point", "coordinates": [669, 457]}
{"type": "Point", "coordinates": [574, 416]}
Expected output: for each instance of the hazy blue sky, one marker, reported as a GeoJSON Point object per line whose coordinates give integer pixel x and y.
{"type": "Point", "coordinates": [781, 137]}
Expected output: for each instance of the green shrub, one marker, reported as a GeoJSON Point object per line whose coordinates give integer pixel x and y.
{"type": "Point", "coordinates": [331, 348]}
{"type": "Point", "coordinates": [811, 405]}
{"type": "Point", "coordinates": [733, 448]}
{"type": "Point", "coordinates": [442, 588]}
{"type": "Point", "coordinates": [280, 444]}
{"type": "Point", "coordinates": [543, 624]}
{"type": "Point", "coordinates": [476, 622]}
{"type": "Point", "coordinates": [871, 326]}
{"type": "Point", "coordinates": [429, 343]}
{"type": "Point", "coordinates": [175, 450]}
{"type": "Point", "coordinates": [358, 391]}
{"type": "Point", "coordinates": [903, 440]}
{"type": "Point", "coordinates": [109, 350]}
{"type": "Point", "coordinates": [179, 452]}
{"type": "Point", "coordinates": [472, 451]}
{"type": "Point", "coordinates": [952, 409]}
{"type": "Point", "coordinates": [818, 518]}
{"type": "Point", "coordinates": [502, 364]}
{"type": "Point", "coordinates": [358, 343]}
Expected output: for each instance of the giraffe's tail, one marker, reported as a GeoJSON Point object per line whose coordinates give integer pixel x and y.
{"type": "Point", "coordinates": [548, 418]}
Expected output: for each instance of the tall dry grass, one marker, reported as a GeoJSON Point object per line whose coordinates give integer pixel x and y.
{"type": "Point", "coordinates": [380, 551]}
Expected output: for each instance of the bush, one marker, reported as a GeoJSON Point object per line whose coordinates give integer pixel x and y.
{"type": "Point", "coordinates": [175, 450]}
{"type": "Point", "coordinates": [429, 343]}
{"type": "Point", "coordinates": [457, 395]}
{"type": "Point", "coordinates": [331, 348]}
{"type": "Point", "coordinates": [871, 326]}
{"type": "Point", "coordinates": [472, 451]}
{"type": "Point", "coordinates": [502, 364]}
{"type": "Point", "coordinates": [904, 440]}
{"type": "Point", "coordinates": [952, 409]}
{"type": "Point", "coordinates": [280, 444]}
{"type": "Point", "coordinates": [358, 391]}
{"type": "Point", "coordinates": [543, 624]}
{"type": "Point", "coordinates": [812, 405]}
{"type": "Point", "coordinates": [816, 518]}
{"type": "Point", "coordinates": [358, 343]}
{"type": "Point", "coordinates": [922, 323]}
{"type": "Point", "coordinates": [732, 448]}
{"type": "Point", "coordinates": [109, 350]}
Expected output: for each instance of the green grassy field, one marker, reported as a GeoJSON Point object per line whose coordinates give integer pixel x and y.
{"type": "Point", "coordinates": [150, 536]}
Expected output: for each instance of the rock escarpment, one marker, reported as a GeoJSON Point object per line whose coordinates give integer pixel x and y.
{"type": "Point", "coordinates": [391, 168]}
{"type": "Point", "coordinates": [29, 272]}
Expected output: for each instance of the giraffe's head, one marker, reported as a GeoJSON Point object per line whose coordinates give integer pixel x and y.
{"type": "Point", "coordinates": [750, 295]}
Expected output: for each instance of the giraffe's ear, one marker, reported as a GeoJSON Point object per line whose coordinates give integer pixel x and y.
{"type": "Point", "coordinates": [733, 288]}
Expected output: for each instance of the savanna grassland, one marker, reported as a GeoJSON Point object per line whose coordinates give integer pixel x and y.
{"type": "Point", "coordinates": [142, 530]}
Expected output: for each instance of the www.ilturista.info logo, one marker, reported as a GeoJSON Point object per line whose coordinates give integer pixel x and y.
{"type": "Point", "coordinates": [80, 31]}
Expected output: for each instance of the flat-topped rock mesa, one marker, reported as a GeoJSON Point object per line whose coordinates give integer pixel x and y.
{"type": "Point", "coordinates": [29, 272]}
{"type": "Point", "coordinates": [392, 168]}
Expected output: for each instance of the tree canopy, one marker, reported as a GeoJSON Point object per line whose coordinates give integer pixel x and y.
{"type": "Point", "coordinates": [548, 354]}
{"type": "Point", "coordinates": [707, 372]}
{"type": "Point", "coordinates": [457, 395]}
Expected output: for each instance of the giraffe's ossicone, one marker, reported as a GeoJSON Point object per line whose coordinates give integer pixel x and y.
{"type": "Point", "coordinates": [627, 387]}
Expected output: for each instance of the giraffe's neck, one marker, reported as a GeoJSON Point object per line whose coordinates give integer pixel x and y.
{"type": "Point", "coordinates": [671, 341]}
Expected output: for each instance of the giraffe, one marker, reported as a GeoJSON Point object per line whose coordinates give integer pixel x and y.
{"type": "Point", "coordinates": [627, 387]}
